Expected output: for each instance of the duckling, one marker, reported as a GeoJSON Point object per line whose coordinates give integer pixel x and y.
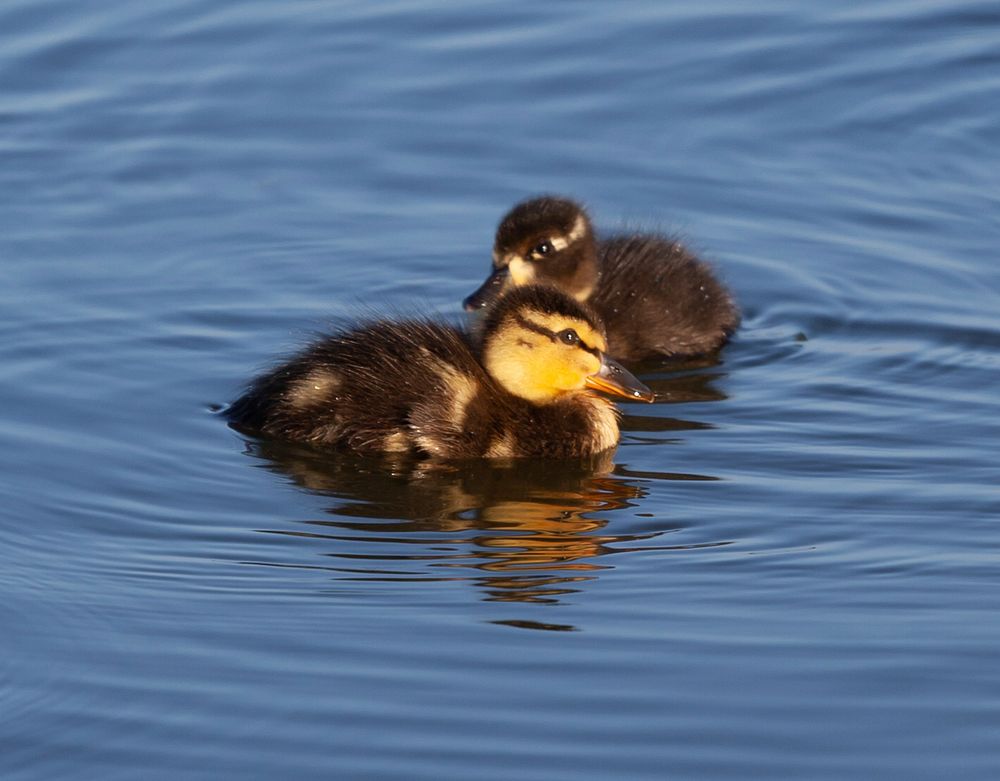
{"type": "Point", "coordinates": [430, 389]}
{"type": "Point", "coordinates": [656, 299]}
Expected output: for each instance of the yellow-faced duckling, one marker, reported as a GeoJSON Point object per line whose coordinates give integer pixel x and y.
{"type": "Point", "coordinates": [431, 389]}
{"type": "Point", "coordinates": [656, 299]}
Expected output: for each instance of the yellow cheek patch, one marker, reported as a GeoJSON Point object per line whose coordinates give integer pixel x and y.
{"type": "Point", "coordinates": [521, 272]}
{"type": "Point", "coordinates": [532, 366]}
{"type": "Point", "coordinates": [558, 369]}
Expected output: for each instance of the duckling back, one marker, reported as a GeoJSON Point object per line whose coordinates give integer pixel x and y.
{"type": "Point", "coordinates": [656, 298]}
{"type": "Point", "coordinates": [358, 389]}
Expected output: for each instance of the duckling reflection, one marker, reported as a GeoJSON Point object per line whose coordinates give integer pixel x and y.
{"type": "Point", "coordinates": [529, 530]}
{"type": "Point", "coordinates": [684, 383]}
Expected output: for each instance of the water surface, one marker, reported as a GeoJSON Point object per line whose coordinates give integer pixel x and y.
{"type": "Point", "coordinates": [789, 569]}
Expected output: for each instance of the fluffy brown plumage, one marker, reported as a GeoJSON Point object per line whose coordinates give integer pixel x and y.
{"type": "Point", "coordinates": [655, 298]}
{"type": "Point", "coordinates": [424, 387]}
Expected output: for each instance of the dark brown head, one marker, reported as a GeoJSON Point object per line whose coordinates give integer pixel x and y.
{"type": "Point", "coordinates": [546, 240]}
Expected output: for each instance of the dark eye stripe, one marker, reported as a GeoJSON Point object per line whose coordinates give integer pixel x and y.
{"type": "Point", "coordinates": [540, 329]}
{"type": "Point", "coordinates": [530, 326]}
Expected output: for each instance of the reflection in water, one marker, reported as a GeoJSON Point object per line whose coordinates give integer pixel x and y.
{"type": "Point", "coordinates": [677, 380]}
{"type": "Point", "coordinates": [687, 388]}
{"type": "Point", "coordinates": [528, 530]}
{"type": "Point", "coordinates": [521, 624]}
{"type": "Point", "coordinates": [531, 530]}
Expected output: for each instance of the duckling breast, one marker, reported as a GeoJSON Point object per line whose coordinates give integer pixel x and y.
{"type": "Point", "coordinates": [581, 424]}
{"type": "Point", "coordinates": [603, 422]}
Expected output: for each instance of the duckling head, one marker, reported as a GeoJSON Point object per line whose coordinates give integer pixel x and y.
{"type": "Point", "coordinates": [542, 240]}
{"type": "Point", "coordinates": [542, 345]}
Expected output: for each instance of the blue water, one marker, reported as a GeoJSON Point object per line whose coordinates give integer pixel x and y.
{"type": "Point", "coordinates": [789, 569]}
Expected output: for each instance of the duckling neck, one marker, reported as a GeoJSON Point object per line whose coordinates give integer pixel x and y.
{"type": "Point", "coordinates": [592, 418]}
{"type": "Point", "coordinates": [603, 416]}
{"type": "Point", "coordinates": [585, 278]}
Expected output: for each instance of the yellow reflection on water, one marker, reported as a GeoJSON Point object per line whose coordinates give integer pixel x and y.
{"type": "Point", "coordinates": [524, 531]}
{"type": "Point", "coordinates": [521, 530]}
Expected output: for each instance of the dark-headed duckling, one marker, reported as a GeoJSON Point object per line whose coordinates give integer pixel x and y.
{"type": "Point", "coordinates": [424, 387]}
{"type": "Point", "coordinates": [656, 299]}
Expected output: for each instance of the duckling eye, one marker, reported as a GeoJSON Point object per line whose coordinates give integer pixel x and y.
{"type": "Point", "coordinates": [543, 249]}
{"type": "Point", "coordinates": [569, 336]}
